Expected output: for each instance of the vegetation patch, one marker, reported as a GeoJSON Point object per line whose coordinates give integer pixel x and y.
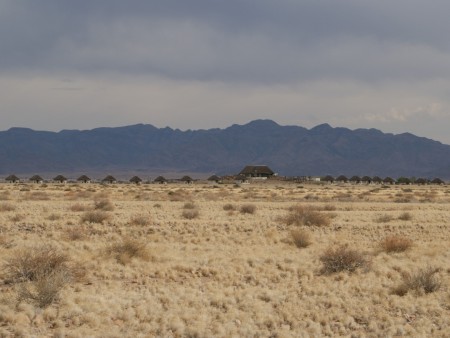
{"type": "Point", "coordinates": [423, 281]}
{"type": "Point", "coordinates": [342, 258]}
{"type": "Point", "coordinates": [94, 216]}
{"type": "Point", "coordinates": [301, 238]}
{"type": "Point", "coordinates": [128, 249]}
{"type": "Point", "coordinates": [306, 215]}
{"type": "Point", "coordinates": [247, 209]}
{"type": "Point", "coordinates": [396, 243]}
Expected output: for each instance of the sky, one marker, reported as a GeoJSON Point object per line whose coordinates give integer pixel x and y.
{"type": "Point", "coordinates": [203, 64]}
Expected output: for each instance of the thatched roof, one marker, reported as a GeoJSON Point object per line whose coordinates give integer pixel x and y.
{"type": "Point", "coordinates": [342, 178]}
{"type": "Point", "coordinates": [12, 178]}
{"type": "Point", "coordinates": [135, 179]}
{"type": "Point", "coordinates": [389, 180]}
{"type": "Point", "coordinates": [355, 179]}
{"type": "Point", "coordinates": [366, 179]}
{"type": "Point", "coordinates": [110, 179]}
{"type": "Point", "coordinates": [376, 179]}
{"type": "Point", "coordinates": [214, 178]}
{"type": "Point", "coordinates": [83, 178]}
{"type": "Point", "coordinates": [160, 179]}
{"type": "Point", "coordinates": [437, 181]}
{"type": "Point", "coordinates": [186, 179]}
{"type": "Point", "coordinates": [256, 170]}
{"type": "Point", "coordinates": [60, 178]}
{"type": "Point", "coordinates": [328, 178]}
{"type": "Point", "coordinates": [421, 180]}
{"type": "Point", "coordinates": [36, 178]}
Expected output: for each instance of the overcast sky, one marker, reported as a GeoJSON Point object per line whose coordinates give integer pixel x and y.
{"type": "Point", "coordinates": [194, 64]}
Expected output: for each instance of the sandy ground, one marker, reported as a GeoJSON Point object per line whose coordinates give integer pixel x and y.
{"type": "Point", "coordinates": [225, 273]}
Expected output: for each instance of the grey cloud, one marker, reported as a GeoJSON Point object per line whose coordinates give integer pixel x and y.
{"type": "Point", "coordinates": [264, 41]}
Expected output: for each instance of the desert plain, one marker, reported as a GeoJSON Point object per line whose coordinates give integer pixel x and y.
{"type": "Point", "coordinates": [271, 259]}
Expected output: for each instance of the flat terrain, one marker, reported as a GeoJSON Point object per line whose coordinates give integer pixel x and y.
{"type": "Point", "coordinates": [222, 261]}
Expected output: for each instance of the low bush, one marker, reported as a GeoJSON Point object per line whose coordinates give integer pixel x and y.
{"type": "Point", "coordinates": [229, 207]}
{"type": "Point", "coordinates": [342, 258]}
{"type": "Point", "coordinates": [422, 281]}
{"type": "Point", "coordinates": [301, 238]}
{"type": "Point", "coordinates": [128, 249]}
{"type": "Point", "coordinates": [42, 272]}
{"type": "Point", "coordinates": [383, 218]}
{"type": "Point", "coordinates": [94, 216]}
{"type": "Point", "coordinates": [103, 204]}
{"type": "Point", "coordinates": [7, 207]}
{"type": "Point", "coordinates": [79, 207]}
{"type": "Point", "coordinates": [396, 243]}
{"type": "Point", "coordinates": [248, 209]}
{"type": "Point", "coordinates": [306, 215]}
{"type": "Point", "coordinates": [190, 213]}
{"type": "Point", "coordinates": [189, 205]}
{"type": "Point", "coordinates": [140, 220]}
{"type": "Point", "coordinates": [405, 216]}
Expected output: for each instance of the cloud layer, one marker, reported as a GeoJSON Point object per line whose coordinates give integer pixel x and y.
{"type": "Point", "coordinates": [201, 64]}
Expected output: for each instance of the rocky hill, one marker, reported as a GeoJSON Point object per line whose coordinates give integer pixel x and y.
{"type": "Point", "coordinates": [288, 150]}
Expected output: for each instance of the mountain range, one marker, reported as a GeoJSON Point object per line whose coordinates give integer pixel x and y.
{"type": "Point", "coordinates": [288, 150]}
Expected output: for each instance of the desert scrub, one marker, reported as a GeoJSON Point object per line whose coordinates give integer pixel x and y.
{"type": "Point", "coordinates": [229, 207]}
{"type": "Point", "coordinates": [306, 215]}
{"type": "Point", "coordinates": [94, 216]}
{"type": "Point", "coordinates": [103, 204]}
{"type": "Point", "coordinates": [79, 207]}
{"type": "Point", "coordinates": [405, 216]}
{"type": "Point", "coordinates": [422, 281]}
{"type": "Point", "coordinates": [383, 218]}
{"type": "Point", "coordinates": [301, 238]}
{"type": "Point", "coordinates": [189, 205]}
{"type": "Point", "coordinates": [342, 258]}
{"type": "Point", "coordinates": [395, 243]}
{"type": "Point", "coordinates": [190, 213]}
{"type": "Point", "coordinates": [247, 209]}
{"type": "Point", "coordinates": [127, 249]}
{"type": "Point", "coordinates": [7, 207]}
{"type": "Point", "coordinates": [140, 220]}
{"type": "Point", "coordinates": [41, 272]}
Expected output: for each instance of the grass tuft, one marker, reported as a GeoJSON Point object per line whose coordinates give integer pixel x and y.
{"type": "Point", "coordinates": [94, 216]}
{"type": "Point", "coordinates": [248, 209]}
{"type": "Point", "coordinates": [301, 238]}
{"type": "Point", "coordinates": [306, 215]}
{"type": "Point", "coordinates": [423, 281]}
{"type": "Point", "coordinates": [342, 258]}
{"type": "Point", "coordinates": [396, 243]}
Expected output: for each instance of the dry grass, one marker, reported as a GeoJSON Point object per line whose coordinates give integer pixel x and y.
{"type": "Point", "coordinates": [225, 274]}
{"type": "Point", "coordinates": [189, 205]}
{"type": "Point", "coordinates": [190, 214]}
{"type": "Point", "coordinates": [7, 207]}
{"type": "Point", "coordinates": [140, 220]}
{"type": "Point", "coordinates": [396, 243]}
{"type": "Point", "coordinates": [127, 249]}
{"type": "Point", "coordinates": [306, 215]}
{"type": "Point", "coordinates": [383, 218]}
{"type": "Point", "coordinates": [103, 204]}
{"type": "Point", "coordinates": [405, 216]}
{"type": "Point", "coordinates": [41, 273]}
{"type": "Point", "coordinates": [423, 281]}
{"type": "Point", "coordinates": [79, 207]}
{"type": "Point", "coordinates": [342, 258]}
{"type": "Point", "coordinates": [95, 216]}
{"type": "Point", "coordinates": [301, 238]}
{"type": "Point", "coordinates": [229, 207]}
{"type": "Point", "coordinates": [247, 209]}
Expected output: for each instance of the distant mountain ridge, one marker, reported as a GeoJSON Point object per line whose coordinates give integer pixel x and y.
{"type": "Point", "coordinates": [288, 150]}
